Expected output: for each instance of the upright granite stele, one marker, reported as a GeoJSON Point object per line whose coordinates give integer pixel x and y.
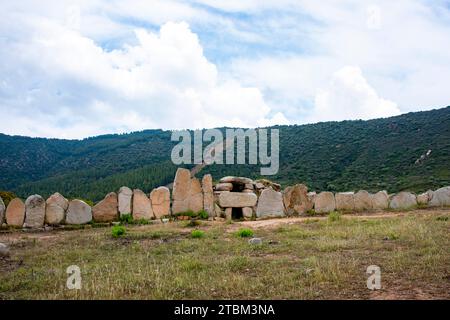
{"type": "Point", "coordinates": [238, 198]}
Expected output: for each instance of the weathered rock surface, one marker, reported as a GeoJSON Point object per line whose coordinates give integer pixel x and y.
{"type": "Point", "coordinates": [124, 198]}
{"type": "Point", "coordinates": [440, 197]}
{"type": "Point", "coordinates": [160, 198]}
{"type": "Point", "coordinates": [142, 206]}
{"type": "Point", "coordinates": [296, 200]}
{"type": "Point", "coordinates": [224, 187]}
{"type": "Point", "coordinates": [270, 204]}
{"type": "Point", "coordinates": [403, 200]}
{"type": "Point", "coordinates": [312, 197]}
{"type": "Point", "coordinates": [268, 184]}
{"type": "Point", "coordinates": [4, 250]}
{"type": "Point", "coordinates": [247, 212]}
{"type": "Point", "coordinates": [107, 209]}
{"type": "Point", "coordinates": [208, 195]}
{"type": "Point", "coordinates": [255, 241]}
{"type": "Point", "coordinates": [55, 209]}
{"type": "Point", "coordinates": [181, 190]}
{"type": "Point", "coordinates": [218, 212]}
{"type": "Point", "coordinates": [424, 198]}
{"type": "Point", "coordinates": [2, 211]}
{"type": "Point", "coordinates": [324, 202]}
{"type": "Point", "coordinates": [79, 212]}
{"type": "Point", "coordinates": [34, 212]}
{"type": "Point", "coordinates": [363, 200]}
{"type": "Point", "coordinates": [195, 196]}
{"type": "Point", "coordinates": [15, 213]}
{"type": "Point", "coordinates": [380, 200]}
{"type": "Point", "coordinates": [345, 201]}
{"type": "Point", "coordinates": [237, 199]}
{"type": "Point", "coordinates": [239, 180]}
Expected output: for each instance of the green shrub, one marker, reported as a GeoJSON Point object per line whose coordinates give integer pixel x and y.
{"type": "Point", "coordinates": [442, 218]}
{"type": "Point", "coordinates": [7, 197]}
{"type": "Point", "coordinates": [118, 231]}
{"type": "Point", "coordinates": [311, 212]}
{"type": "Point", "coordinates": [188, 213]}
{"type": "Point", "coordinates": [334, 216]}
{"type": "Point", "coordinates": [197, 234]}
{"type": "Point", "coordinates": [245, 233]}
{"type": "Point", "coordinates": [202, 214]}
{"type": "Point", "coordinates": [126, 218]}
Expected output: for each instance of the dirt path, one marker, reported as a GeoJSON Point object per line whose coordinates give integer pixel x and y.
{"type": "Point", "coordinates": [273, 223]}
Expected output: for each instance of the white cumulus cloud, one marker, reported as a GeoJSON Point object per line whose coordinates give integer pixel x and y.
{"type": "Point", "coordinates": [72, 87]}
{"type": "Point", "coordinates": [350, 97]}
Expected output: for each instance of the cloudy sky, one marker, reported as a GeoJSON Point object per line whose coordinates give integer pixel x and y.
{"type": "Point", "coordinates": [73, 69]}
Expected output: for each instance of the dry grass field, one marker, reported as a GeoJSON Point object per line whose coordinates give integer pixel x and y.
{"type": "Point", "coordinates": [300, 258]}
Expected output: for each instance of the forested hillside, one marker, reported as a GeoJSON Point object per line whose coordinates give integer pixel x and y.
{"type": "Point", "coordinates": [374, 155]}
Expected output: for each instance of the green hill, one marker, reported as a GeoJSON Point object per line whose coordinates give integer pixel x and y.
{"type": "Point", "coordinates": [349, 155]}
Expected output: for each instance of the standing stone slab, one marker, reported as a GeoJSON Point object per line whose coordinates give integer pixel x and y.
{"type": "Point", "coordinates": [55, 209]}
{"type": "Point", "coordinates": [125, 196]}
{"type": "Point", "coordinates": [237, 199]}
{"type": "Point", "coordinates": [403, 200]}
{"type": "Point", "coordinates": [345, 201]}
{"type": "Point", "coordinates": [2, 211]}
{"type": "Point", "coordinates": [363, 201]}
{"type": "Point", "coordinates": [208, 195]}
{"type": "Point", "coordinates": [324, 202]}
{"type": "Point", "coordinates": [15, 213]}
{"type": "Point", "coordinates": [142, 206]}
{"type": "Point", "coordinates": [79, 212]}
{"type": "Point", "coordinates": [195, 202]}
{"type": "Point", "coordinates": [424, 198]}
{"type": "Point", "coordinates": [270, 204]}
{"type": "Point", "coordinates": [106, 210]}
{"type": "Point", "coordinates": [380, 200]}
{"type": "Point", "coordinates": [440, 197]}
{"type": "Point", "coordinates": [160, 198]}
{"type": "Point", "coordinates": [181, 191]}
{"type": "Point", "coordinates": [34, 212]}
{"type": "Point", "coordinates": [296, 200]}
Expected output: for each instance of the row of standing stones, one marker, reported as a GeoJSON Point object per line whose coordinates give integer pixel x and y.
{"type": "Point", "coordinates": [255, 199]}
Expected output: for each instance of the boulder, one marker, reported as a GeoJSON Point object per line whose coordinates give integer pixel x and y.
{"type": "Point", "coordinates": [237, 180]}
{"type": "Point", "coordinates": [55, 209]}
{"type": "Point", "coordinates": [208, 195]}
{"type": "Point", "coordinates": [187, 193]}
{"type": "Point", "coordinates": [363, 200]}
{"type": "Point", "coordinates": [247, 212]}
{"type": "Point", "coordinates": [160, 198]}
{"type": "Point", "coordinates": [2, 211]}
{"type": "Point", "coordinates": [237, 199]}
{"type": "Point", "coordinates": [107, 209]}
{"type": "Point", "coordinates": [15, 213]}
{"type": "Point", "coordinates": [425, 197]}
{"type": "Point", "coordinates": [124, 199]}
{"type": "Point", "coordinates": [255, 241]}
{"type": "Point", "coordinates": [403, 200]}
{"type": "Point", "coordinates": [324, 202]}
{"type": "Point", "coordinates": [34, 212]}
{"type": "Point", "coordinates": [249, 186]}
{"type": "Point", "coordinates": [4, 250]}
{"type": "Point", "coordinates": [440, 197]}
{"type": "Point", "coordinates": [270, 204]}
{"type": "Point", "coordinates": [345, 201]}
{"type": "Point", "coordinates": [380, 200]}
{"type": "Point", "coordinates": [268, 184]}
{"type": "Point", "coordinates": [224, 187]}
{"type": "Point", "coordinates": [312, 197]}
{"type": "Point", "coordinates": [142, 206]}
{"type": "Point", "coordinates": [79, 212]}
{"type": "Point", "coordinates": [296, 200]}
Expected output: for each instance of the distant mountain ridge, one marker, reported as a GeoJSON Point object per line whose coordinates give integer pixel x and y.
{"type": "Point", "coordinates": [337, 156]}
